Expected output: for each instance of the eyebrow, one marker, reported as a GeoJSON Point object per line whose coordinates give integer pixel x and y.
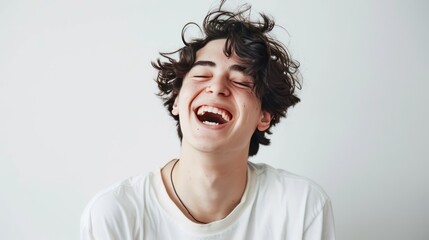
{"type": "Point", "coordinates": [234, 67]}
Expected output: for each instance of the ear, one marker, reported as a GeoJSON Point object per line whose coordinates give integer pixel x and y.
{"type": "Point", "coordinates": [264, 122]}
{"type": "Point", "coordinates": [175, 110]}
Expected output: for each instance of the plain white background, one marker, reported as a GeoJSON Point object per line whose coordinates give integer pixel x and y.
{"type": "Point", "coordinates": [78, 109]}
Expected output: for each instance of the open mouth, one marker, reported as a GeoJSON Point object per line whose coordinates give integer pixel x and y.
{"type": "Point", "coordinates": [213, 116]}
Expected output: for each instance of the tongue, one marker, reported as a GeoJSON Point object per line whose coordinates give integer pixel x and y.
{"type": "Point", "coordinates": [212, 117]}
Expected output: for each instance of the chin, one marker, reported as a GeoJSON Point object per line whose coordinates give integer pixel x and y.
{"type": "Point", "coordinates": [206, 144]}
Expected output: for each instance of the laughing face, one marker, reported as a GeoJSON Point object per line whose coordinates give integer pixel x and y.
{"type": "Point", "coordinates": [217, 107]}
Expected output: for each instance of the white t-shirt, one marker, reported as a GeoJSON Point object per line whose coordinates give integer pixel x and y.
{"type": "Point", "coordinates": [275, 205]}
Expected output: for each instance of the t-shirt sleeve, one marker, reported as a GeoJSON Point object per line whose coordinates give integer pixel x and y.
{"type": "Point", "coordinates": [108, 217]}
{"type": "Point", "coordinates": [322, 226]}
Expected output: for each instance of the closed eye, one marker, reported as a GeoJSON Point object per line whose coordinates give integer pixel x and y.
{"type": "Point", "coordinates": [243, 84]}
{"type": "Point", "coordinates": [201, 77]}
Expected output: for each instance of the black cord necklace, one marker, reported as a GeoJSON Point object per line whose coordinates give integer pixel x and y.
{"type": "Point", "coordinates": [177, 195]}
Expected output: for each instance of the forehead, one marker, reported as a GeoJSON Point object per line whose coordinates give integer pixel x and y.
{"type": "Point", "coordinates": [214, 50]}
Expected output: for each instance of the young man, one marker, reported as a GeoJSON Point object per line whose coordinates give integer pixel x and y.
{"type": "Point", "coordinates": [225, 91]}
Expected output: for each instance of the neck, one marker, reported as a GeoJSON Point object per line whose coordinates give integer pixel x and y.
{"type": "Point", "coordinates": [210, 186]}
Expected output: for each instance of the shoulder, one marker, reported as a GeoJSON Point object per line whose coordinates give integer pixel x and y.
{"type": "Point", "coordinates": [290, 190]}
{"type": "Point", "coordinates": [282, 195]}
{"type": "Point", "coordinates": [118, 205]}
{"type": "Point", "coordinates": [120, 192]}
{"type": "Point", "coordinates": [267, 174]}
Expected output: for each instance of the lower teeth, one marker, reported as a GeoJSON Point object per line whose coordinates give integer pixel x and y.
{"type": "Point", "coordinates": [211, 123]}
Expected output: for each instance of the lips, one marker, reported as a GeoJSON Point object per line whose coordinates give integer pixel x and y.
{"type": "Point", "coordinates": [213, 116]}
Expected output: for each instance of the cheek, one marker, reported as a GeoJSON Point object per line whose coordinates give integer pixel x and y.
{"type": "Point", "coordinates": [191, 89]}
{"type": "Point", "coordinates": [251, 102]}
{"type": "Point", "coordinates": [187, 94]}
{"type": "Point", "coordinates": [250, 109]}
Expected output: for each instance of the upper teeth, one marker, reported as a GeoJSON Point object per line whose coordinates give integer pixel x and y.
{"type": "Point", "coordinates": [225, 115]}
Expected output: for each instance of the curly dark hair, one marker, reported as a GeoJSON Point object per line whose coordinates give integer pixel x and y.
{"type": "Point", "coordinates": [275, 73]}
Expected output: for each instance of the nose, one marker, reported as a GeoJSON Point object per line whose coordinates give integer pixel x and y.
{"type": "Point", "coordinates": [218, 86]}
